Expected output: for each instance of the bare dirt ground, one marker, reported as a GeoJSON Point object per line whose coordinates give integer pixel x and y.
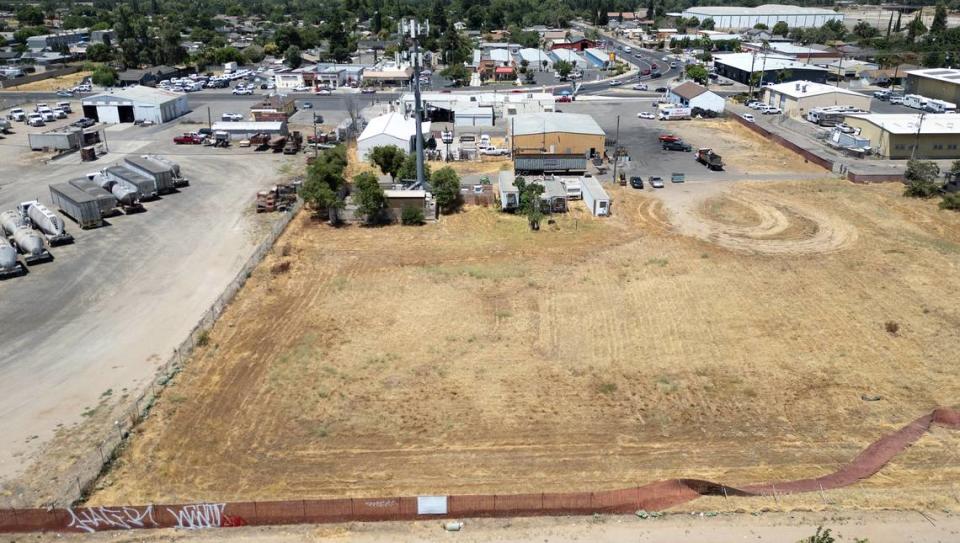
{"type": "Point", "coordinates": [726, 335]}
{"type": "Point", "coordinates": [54, 83]}
{"type": "Point", "coordinates": [880, 527]}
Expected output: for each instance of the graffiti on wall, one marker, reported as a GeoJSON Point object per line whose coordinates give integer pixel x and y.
{"type": "Point", "coordinates": [204, 515]}
{"type": "Point", "coordinates": [93, 519]}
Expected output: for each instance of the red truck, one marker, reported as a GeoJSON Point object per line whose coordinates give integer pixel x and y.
{"type": "Point", "coordinates": [664, 138]}
{"type": "Point", "coordinates": [190, 138]}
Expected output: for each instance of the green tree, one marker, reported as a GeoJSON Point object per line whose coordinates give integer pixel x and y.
{"type": "Point", "coordinates": [254, 53]}
{"type": "Point", "coordinates": [293, 57]}
{"type": "Point", "coordinates": [951, 201]}
{"type": "Point", "coordinates": [939, 24]}
{"type": "Point", "coordinates": [921, 179]}
{"type": "Point", "coordinates": [708, 24]}
{"type": "Point", "coordinates": [761, 26]}
{"type": "Point", "coordinates": [780, 29]}
{"type": "Point", "coordinates": [698, 73]}
{"type": "Point", "coordinates": [916, 28]}
{"type": "Point", "coordinates": [563, 69]}
{"type": "Point", "coordinates": [389, 158]}
{"type": "Point", "coordinates": [693, 22]}
{"type": "Point", "coordinates": [529, 204]}
{"type": "Point", "coordinates": [369, 197]}
{"type": "Point", "coordinates": [99, 52]}
{"type": "Point", "coordinates": [408, 171]}
{"type": "Point", "coordinates": [104, 76]}
{"type": "Point", "coordinates": [29, 15]}
{"type": "Point", "coordinates": [287, 36]}
{"type": "Point", "coordinates": [324, 186]}
{"type": "Point", "coordinates": [411, 216]}
{"type": "Point", "coordinates": [457, 72]}
{"type": "Point", "coordinates": [446, 189]}
{"type": "Point", "coordinates": [865, 30]}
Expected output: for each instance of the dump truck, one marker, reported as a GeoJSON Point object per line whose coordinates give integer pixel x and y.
{"type": "Point", "coordinates": [293, 144]}
{"type": "Point", "coordinates": [77, 204]}
{"type": "Point", "coordinates": [709, 159]}
{"type": "Point", "coordinates": [46, 221]}
{"type": "Point", "coordinates": [277, 143]}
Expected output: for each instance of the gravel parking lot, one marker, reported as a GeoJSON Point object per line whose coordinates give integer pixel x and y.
{"type": "Point", "coordinates": [90, 327]}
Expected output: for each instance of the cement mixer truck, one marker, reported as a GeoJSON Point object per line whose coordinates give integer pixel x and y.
{"type": "Point", "coordinates": [46, 221]}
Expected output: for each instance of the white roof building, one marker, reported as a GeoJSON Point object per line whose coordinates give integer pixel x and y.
{"type": "Point", "coordinates": [500, 56]}
{"type": "Point", "coordinates": [390, 129]}
{"type": "Point", "coordinates": [546, 123]}
{"type": "Point", "coordinates": [569, 56]}
{"type": "Point", "coordinates": [800, 89]}
{"type": "Point", "coordinates": [909, 123]}
{"type": "Point", "coordinates": [136, 103]}
{"type": "Point", "coordinates": [739, 17]}
{"type": "Point", "coordinates": [535, 57]}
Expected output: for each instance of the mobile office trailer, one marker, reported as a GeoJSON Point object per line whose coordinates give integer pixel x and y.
{"type": "Point", "coordinates": [146, 185]}
{"type": "Point", "coordinates": [940, 106]}
{"type": "Point", "coordinates": [106, 201]}
{"type": "Point", "coordinates": [596, 199]}
{"type": "Point", "coordinates": [76, 204]}
{"type": "Point", "coordinates": [509, 195]}
{"type": "Point", "coordinates": [161, 174]}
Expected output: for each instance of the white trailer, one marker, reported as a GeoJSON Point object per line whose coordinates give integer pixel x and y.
{"type": "Point", "coordinates": [509, 195]}
{"type": "Point", "coordinates": [915, 101]}
{"type": "Point", "coordinates": [596, 199]}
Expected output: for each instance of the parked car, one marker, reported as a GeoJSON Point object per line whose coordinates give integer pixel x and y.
{"type": "Point", "coordinates": [636, 182]}
{"type": "Point", "coordinates": [755, 104]}
{"type": "Point", "coordinates": [188, 139]}
{"type": "Point", "coordinates": [84, 122]}
{"type": "Point", "coordinates": [660, 90]}
{"type": "Point", "coordinates": [564, 99]}
{"type": "Point", "coordinates": [494, 151]}
{"type": "Point", "coordinates": [640, 87]}
{"type": "Point", "coordinates": [654, 65]}
{"type": "Point", "coordinates": [646, 115]}
{"type": "Point", "coordinates": [234, 117]}
{"type": "Point", "coordinates": [645, 71]}
{"type": "Point", "coordinates": [306, 105]}
{"type": "Point", "coordinates": [881, 94]}
{"type": "Point", "coordinates": [771, 110]}
{"type": "Point", "coordinates": [677, 146]}
{"type": "Point", "coordinates": [896, 99]}
{"type": "Point", "coordinates": [298, 88]}
{"type": "Point", "coordinates": [323, 92]}
{"type": "Point", "coordinates": [655, 75]}
{"type": "Point", "coordinates": [668, 137]}
{"type": "Point", "coordinates": [65, 93]}
{"type": "Point", "coordinates": [656, 182]}
{"type": "Point", "coordinates": [615, 83]}
{"type": "Point", "coordinates": [368, 90]}
{"type": "Point", "coordinates": [748, 117]}
{"type": "Point", "coordinates": [845, 128]}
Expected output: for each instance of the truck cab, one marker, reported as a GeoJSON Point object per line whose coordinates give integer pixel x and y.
{"type": "Point", "coordinates": [17, 114]}
{"type": "Point", "coordinates": [65, 106]}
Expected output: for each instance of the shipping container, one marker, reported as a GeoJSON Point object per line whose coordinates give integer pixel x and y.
{"type": "Point", "coordinates": [76, 204]}
{"type": "Point", "coordinates": [163, 175]}
{"type": "Point", "coordinates": [146, 185]}
{"type": "Point", "coordinates": [596, 199]}
{"type": "Point", "coordinates": [106, 201]}
{"type": "Point", "coordinates": [549, 163]}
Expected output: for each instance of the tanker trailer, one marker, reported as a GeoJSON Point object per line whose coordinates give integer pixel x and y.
{"type": "Point", "coordinates": [178, 180]}
{"type": "Point", "coordinates": [10, 221]}
{"type": "Point", "coordinates": [47, 222]}
{"type": "Point", "coordinates": [31, 246]}
{"type": "Point", "coordinates": [9, 265]}
{"type": "Point", "coordinates": [126, 193]}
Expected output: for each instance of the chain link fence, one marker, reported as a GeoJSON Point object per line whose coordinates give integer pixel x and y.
{"type": "Point", "coordinates": [92, 464]}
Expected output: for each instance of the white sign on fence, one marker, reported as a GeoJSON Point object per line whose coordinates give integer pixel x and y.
{"type": "Point", "coordinates": [431, 505]}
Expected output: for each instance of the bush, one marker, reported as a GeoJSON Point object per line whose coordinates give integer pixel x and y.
{"type": "Point", "coordinates": [951, 201]}
{"type": "Point", "coordinates": [411, 216]}
{"type": "Point", "coordinates": [921, 189]}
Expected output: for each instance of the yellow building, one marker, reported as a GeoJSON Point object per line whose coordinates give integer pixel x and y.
{"type": "Point", "coordinates": [937, 136]}
{"type": "Point", "coordinates": [939, 83]}
{"type": "Point", "coordinates": [556, 134]}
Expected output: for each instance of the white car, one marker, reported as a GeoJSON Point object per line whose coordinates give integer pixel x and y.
{"type": "Point", "coordinates": [323, 92]}
{"type": "Point", "coordinates": [640, 87]}
{"type": "Point", "coordinates": [646, 115]}
{"type": "Point", "coordinates": [494, 151]}
{"type": "Point", "coordinates": [756, 105]}
{"type": "Point", "coordinates": [771, 110]}
{"type": "Point", "coordinates": [845, 128]}
{"type": "Point", "coordinates": [233, 117]}
{"type": "Point", "coordinates": [748, 117]}
{"type": "Point", "coordinates": [300, 88]}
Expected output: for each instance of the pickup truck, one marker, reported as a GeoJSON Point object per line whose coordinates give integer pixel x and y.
{"type": "Point", "coordinates": [664, 138]}
{"type": "Point", "coordinates": [188, 139]}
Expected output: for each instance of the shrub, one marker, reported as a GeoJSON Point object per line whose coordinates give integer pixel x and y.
{"type": "Point", "coordinates": [892, 327]}
{"type": "Point", "coordinates": [951, 201]}
{"type": "Point", "coordinates": [411, 216]}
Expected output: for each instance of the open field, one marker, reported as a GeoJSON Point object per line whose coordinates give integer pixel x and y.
{"type": "Point", "coordinates": [719, 331]}
{"type": "Point", "coordinates": [54, 83]}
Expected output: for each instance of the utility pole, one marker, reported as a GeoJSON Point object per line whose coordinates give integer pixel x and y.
{"type": "Point", "coordinates": [616, 151]}
{"type": "Point", "coordinates": [916, 141]}
{"type": "Point", "coordinates": [414, 29]}
{"type": "Point", "coordinates": [753, 62]}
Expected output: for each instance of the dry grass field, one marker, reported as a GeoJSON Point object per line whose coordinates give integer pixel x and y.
{"type": "Point", "coordinates": [729, 339]}
{"type": "Point", "coordinates": [54, 83]}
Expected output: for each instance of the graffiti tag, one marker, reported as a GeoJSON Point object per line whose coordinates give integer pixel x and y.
{"type": "Point", "coordinates": [380, 503]}
{"type": "Point", "coordinates": [204, 515]}
{"type": "Point", "coordinates": [92, 519]}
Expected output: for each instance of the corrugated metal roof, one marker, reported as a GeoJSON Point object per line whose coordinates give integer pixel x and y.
{"type": "Point", "coordinates": [746, 62]}
{"type": "Point", "coordinates": [800, 89]}
{"type": "Point", "coordinates": [392, 124]}
{"type": "Point", "coordinates": [908, 123]}
{"type": "Point", "coordinates": [766, 9]}
{"type": "Point", "coordinates": [526, 124]}
{"type": "Point", "coordinates": [137, 93]}
{"type": "Point", "coordinates": [249, 126]}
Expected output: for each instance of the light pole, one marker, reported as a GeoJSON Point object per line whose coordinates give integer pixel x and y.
{"type": "Point", "coordinates": [414, 29]}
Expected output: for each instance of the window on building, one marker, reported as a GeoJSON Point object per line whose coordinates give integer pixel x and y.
{"type": "Point", "coordinates": [938, 146]}
{"type": "Point", "coordinates": [899, 147]}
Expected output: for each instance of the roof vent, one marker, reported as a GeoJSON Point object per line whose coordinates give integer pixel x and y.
{"type": "Point", "coordinates": [804, 88]}
{"type": "Point", "coordinates": [797, 86]}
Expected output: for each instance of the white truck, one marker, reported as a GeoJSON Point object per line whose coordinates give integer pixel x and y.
{"type": "Point", "coordinates": [229, 67]}
{"type": "Point", "coordinates": [940, 106]}
{"type": "Point", "coordinates": [17, 114]}
{"type": "Point", "coordinates": [674, 113]}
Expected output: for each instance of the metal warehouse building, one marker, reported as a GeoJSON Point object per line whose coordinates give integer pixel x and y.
{"type": "Point", "coordinates": [738, 17]}
{"type": "Point", "coordinates": [894, 135]}
{"type": "Point", "coordinates": [135, 104]}
{"type": "Point", "coordinates": [554, 141]}
{"type": "Point", "coordinates": [739, 66]}
{"type": "Point", "coordinates": [798, 97]}
{"type": "Point", "coordinates": [939, 83]}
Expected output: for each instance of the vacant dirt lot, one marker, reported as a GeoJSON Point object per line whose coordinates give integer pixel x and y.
{"type": "Point", "coordinates": [730, 338]}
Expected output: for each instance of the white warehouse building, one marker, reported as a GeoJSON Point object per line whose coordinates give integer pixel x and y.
{"type": "Point", "coordinates": [390, 129]}
{"type": "Point", "coordinates": [137, 103]}
{"type": "Point", "coordinates": [737, 17]}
